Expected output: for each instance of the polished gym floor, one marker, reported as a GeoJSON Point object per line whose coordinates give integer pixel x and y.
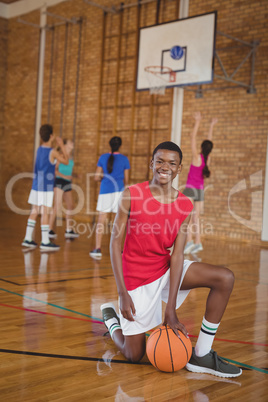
{"type": "Point", "coordinates": [53, 345]}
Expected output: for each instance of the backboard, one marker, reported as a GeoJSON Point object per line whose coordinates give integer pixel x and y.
{"type": "Point", "coordinates": [177, 53]}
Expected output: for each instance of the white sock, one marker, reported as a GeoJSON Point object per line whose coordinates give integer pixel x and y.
{"type": "Point", "coordinates": [29, 230]}
{"type": "Point", "coordinates": [44, 231]}
{"type": "Point", "coordinates": [112, 325]}
{"type": "Point", "coordinates": [205, 338]}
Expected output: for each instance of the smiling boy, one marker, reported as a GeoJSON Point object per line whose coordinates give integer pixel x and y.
{"type": "Point", "coordinates": [147, 274]}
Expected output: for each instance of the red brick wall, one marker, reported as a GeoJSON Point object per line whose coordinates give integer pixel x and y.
{"type": "Point", "coordinates": [140, 119]}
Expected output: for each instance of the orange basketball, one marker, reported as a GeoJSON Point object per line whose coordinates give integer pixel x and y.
{"type": "Point", "coordinates": [166, 351]}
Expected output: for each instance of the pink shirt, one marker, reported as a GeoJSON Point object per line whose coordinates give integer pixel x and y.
{"type": "Point", "coordinates": [152, 228]}
{"type": "Point", "coordinates": [195, 177]}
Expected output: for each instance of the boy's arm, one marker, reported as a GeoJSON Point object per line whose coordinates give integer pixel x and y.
{"type": "Point", "coordinates": [126, 304]}
{"type": "Point", "coordinates": [176, 268]}
{"type": "Point", "coordinates": [98, 174]}
{"type": "Point", "coordinates": [56, 155]}
{"type": "Point", "coordinates": [126, 177]}
{"type": "Point", "coordinates": [212, 124]}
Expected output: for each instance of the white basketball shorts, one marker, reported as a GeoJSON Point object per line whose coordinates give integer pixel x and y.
{"type": "Point", "coordinates": [148, 299]}
{"type": "Point", "coordinates": [108, 202]}
{"type": "Point", "coordinates": [41, 198]}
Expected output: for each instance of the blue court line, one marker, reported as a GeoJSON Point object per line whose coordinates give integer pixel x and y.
{"type": "Point", "coordinates": [246, 366]}
{"type": "Point", "coordinates": [51, 304]}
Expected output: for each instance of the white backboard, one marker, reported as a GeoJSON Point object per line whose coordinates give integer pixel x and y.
{"type": "Point", "coordinates": [156, 64]}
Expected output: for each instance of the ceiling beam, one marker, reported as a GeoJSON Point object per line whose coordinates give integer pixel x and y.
{"type": "Point", "coordinates": [22, 7]}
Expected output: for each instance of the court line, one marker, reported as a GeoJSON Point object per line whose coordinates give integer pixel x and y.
{"type": "Point", "coordinates": [12, 283]}
{"type": "Point", "coordinates": [98, 320]}
{"type": "Point", "coordinates": [55, 315]}
{"type": "Point", "coordinates": [58, 280]}
{"type": "Point", "coordinates": [247, 366]}
{"type": "Point", "coordinates": [50, 304]}
{"type": "Point", "coordinates": [94, 359]}
{"type": "Point", "coordinates": [235, 341]}
{"type": "Point", "coordinates": [58, 272]}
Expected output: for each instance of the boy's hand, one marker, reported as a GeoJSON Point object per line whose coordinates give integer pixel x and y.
{"type": "Point", "coordinates": [127, 307]}
{"type": "Point", "coordinates": [214, 121]}
{"type": "Point", "coordinates": [171, 319]}
{"type": "Point", "coordinates": [197, 116]}
{"type": "Point", "coordinates": [59, 141]}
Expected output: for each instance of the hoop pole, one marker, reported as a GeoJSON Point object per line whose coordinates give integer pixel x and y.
{"type": "Point", "coordinates": [178, 95]}
{"type": "Point", "coordinates": [51, 74]}
{"type": "Point", "coordinates": [40, 79]}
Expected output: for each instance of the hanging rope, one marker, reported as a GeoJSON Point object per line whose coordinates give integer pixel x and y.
{"type": "Point", "coordinates": [77, 78]}
{"type": "Point", "coordinates": [64, 77]}
{"type": "Point", "coordinates": [108, 84]}
{"type": "Point", "coordinates": [125, 63]}
{"type": "Point", "coordinates": [51, 73]}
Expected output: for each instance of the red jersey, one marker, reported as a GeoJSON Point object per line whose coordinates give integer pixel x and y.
{"type": "Point", "coordinates": [151, 230]}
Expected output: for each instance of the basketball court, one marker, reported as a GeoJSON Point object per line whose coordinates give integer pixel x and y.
{"type": "Point", "coordinates": [140, 71]}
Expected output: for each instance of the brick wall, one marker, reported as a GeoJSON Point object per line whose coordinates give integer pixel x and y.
{"type": "Point", "coordinates": [108, 105]}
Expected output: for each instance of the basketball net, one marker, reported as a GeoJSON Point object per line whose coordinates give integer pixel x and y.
{"type": "Point", "coordinates": [158, 79]}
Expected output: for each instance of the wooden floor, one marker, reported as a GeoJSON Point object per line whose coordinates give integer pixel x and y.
{"type": "Point", "coordinates": [52, 343]}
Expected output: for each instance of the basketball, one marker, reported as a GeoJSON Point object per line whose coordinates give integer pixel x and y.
{"type": "Point", "coordinates": [176, 52]}
{"type": "Point", "coordinates": [166, 351]}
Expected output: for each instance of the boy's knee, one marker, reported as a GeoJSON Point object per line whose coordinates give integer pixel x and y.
{"type": "Point", "coordinates": [134, 355]}
{"type": "Point", "coordinates": [228, 279]}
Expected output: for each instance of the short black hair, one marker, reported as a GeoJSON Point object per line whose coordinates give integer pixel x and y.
{"type": "Point", "coordinates": [46, 130]}
{"type": "Point", "coordinates": [169, 145]}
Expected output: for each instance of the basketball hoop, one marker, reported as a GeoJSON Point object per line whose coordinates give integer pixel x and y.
{"type": "Point", "coordinates": [158, 78]}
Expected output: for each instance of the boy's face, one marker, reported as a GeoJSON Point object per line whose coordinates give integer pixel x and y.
{"type": "Point", "coordinates": [166, 165]}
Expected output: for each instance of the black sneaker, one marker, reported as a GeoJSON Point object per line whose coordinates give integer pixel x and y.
{"type": "Point", "coordinates": [211, 363]}
{"type": "Point", "coordinates": [49, 247]}
{"type": "Point", "coordinates": [96, 253]}
{"type": "Point", "coordinates": [52, 234]}
{"type": "Point", "coordinates": [28, 243]}
{"type": "Point", "coordinates": [71, 235]}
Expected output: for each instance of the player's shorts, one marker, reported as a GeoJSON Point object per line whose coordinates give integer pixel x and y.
{"type": "Point", "coordinates": [40, 198]}
{"type": "Point", "coordinates": [196, 194]}
{"type": "Point", "coordinates": [108, 202]}
{"type": "Point", "coordinates": [62, 184]}
{"type": "Point", "coordinates": [148, 299]}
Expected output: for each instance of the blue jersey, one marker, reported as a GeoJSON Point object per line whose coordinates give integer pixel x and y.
{"type": "Point", "coordinates": [44, 171]}
{"type": "Point", "coordinates": [114, 181]}
{"type": "Point", "coordinates": [67, 170]}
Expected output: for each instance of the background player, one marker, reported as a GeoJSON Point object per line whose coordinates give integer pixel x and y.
{"type": "Point", "coordinates": [195, 182]}
{"type": "Point", "coordinates": [41, 195]}
{"type": "Point", "coordinates": [63, 191]}
{"type": "Point", "coordinates": [113, 172]}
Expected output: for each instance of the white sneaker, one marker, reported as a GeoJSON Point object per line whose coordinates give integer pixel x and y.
{"type": "Point", "coordinates": [196, 248]}
{"type": "Point", "coordinates": [189, 246]}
